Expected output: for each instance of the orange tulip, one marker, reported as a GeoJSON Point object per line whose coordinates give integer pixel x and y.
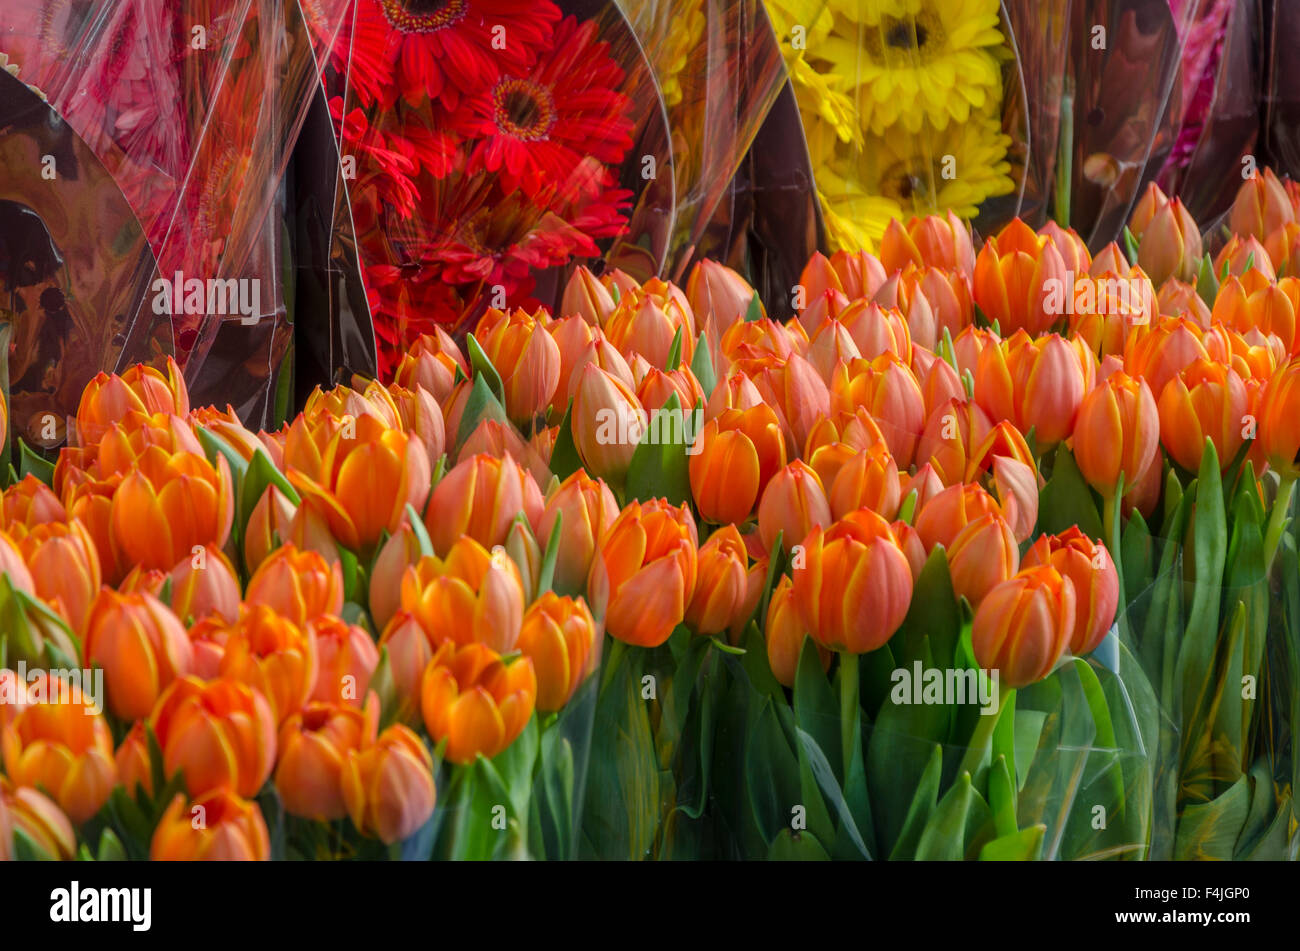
{"type": "Point", "coordinates": [785, 633]}
{"type": "Point", "coordinates": [142, 647]}
{"type": "Point", "coordinates": [646, 319]}
{"type": "Point", "coordinates": [982, 555]}
{"type": "Point", "coordinates": [655, 386]}
{"type": "Point", "coordinates": [419, 413]}
{"type": "Point", "coordinates": [346, 658]}
{"type": "Point", "coordinates": [737, 454]}
{"type": "Point", "coordinates": [470, 596]}
{"type": "Point", "coordinates": [480, 497]}
{"type": "Point", "coordinates": [559, 635]}
{"type": "Point", "coordinates": [585, 296]}
{"type": "Point", "coordinates": [369, 473]}
{"type": "Point", "coordinates": [952, 434]}
{"type": "Point", "coordinates": [1163, 351]}
{"type": "Point", "coordinates": [388, 787]}
{"type": "Point", "coordinates": [397, 554]}
{"type": "Point", "coordinates": [1268, 310]}
{"type": "Point", "coordinates": [1014, 274]}
{"type": "Point", "coordinates": [940, 519]}
{"type": "Point", "coordinates": [300, 585]}
{"type": "Point", "coordinates": [869, 479]}
{"type": "Point", "coordinates": [643, 576]}
{"type": "Point", "coordinates": [1177, 299]}
{"type": "Point", "coordinates": [1169, 243]}
{"type": "Point", "coordinates": [219, 734]}
{"type": "Point", "coordinates": [133, 761]}
{"type": "Point", "coordinates": [108, 398]}
{"type": "Point", "coordinates": [1024, 625]}
{"type": "Point", "coordinates": [431, 363]}
{"type": "Point", "coordinates": [932, 240]}
{"type": "Point", "coordinates": [1088, 565]}
{"type": "Point", "coordinates": [476, 702]}
{"type": "Point", "coordinates": [313, 746]}
{"type": "Point", "coordinates": [1074, 252]}
{"type": "Point", "coordinates": [273, 654]}
{"type": "Point", "coordinates": [1261, 206]}
{"type": "Point", "coordinates": [573, 338]}
{"type": "Point", "coordinates": [170, 505]}
{"type": "Point", "coordinates": [1246, 258]}
{"type": "Point", "coordinates": [218, 826]}
{"type": "Point", "coordinates": [793, 503]}
{"type": "Point", "coordinates": [64, 746]}
{"type": "Point", "coordinates": [1283, 247]}
{"type": "Point", "coordinates": [525, 355]}
{"type": "Point", "coordinates": [1036, 384]}
{"type": "Point", "coordinates": [30, 810]}
{"type": "Point", "coordinates": [794, 390]}
{"type": "Point", "coordinates": [64, 568]}
{"type": "Point", "coordinates": [410, 648]}
{"type": "Point", "coordinates": [877, 330]}
{"type": "Point", "coordinates": [860, 272]}
{"type": "Point", "coordinates": [721, 583]}
{"type": "Point", "coordinates": [855, 587]}
{"type": "Point", "coordinates": [1279, 421]}
{"type": "Point", "coordinates": [585, 508]}
{"type": "Point", "coordinates": [1207, 400]}
{"type": "Point", "coordinates": [268, 526]}
{"type": "Point", "coordinates": [887, 389]}
{"type": "Point", "coordinates": [719, 297]}
{"type": "Point", "coordinates": [205, 584]}
{"type": "Point", "coordinates": [1118, 430]}
{"type": "Point", "coordinates": [608, 423]}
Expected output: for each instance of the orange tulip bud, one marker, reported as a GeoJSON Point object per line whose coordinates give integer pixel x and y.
{"type": "Point", "coordinates": [313, 746]}
{"type": "Point", "coordinates": [785, 633]}
{"type": "Point", "coordinates": [1118, 430]}
{"type": "Point", "coordinates": [737, 454]}
{"type": "Point", "coordinates": [64, 568]}
{"type": "Point", "coordinates": [643, 576]}
{"type": "Point", "coordinates": [793, 503]}
{"type": "Point", "coordinates": [220, 733]}
{"type": "Point", "coordinates": [932, 240]}
{"type": "Point", "coordinates": [719, 296]}
{"type": "Point", "coordinates": [1279, 421]}
{"type": "Point", "coordinates": [346, 658]}
{"type": "Point", "coordinates": [586, 297]}
{"type": "Point", "coordinates": [982, 555]}
{"type": "Point", "coordinates": [388, 787]}
{"type": "Point", "coordinates": [218, 826]}
{"type": "Point", "coordinates": [472, 595]}
{"type": "Point", "coordinates": [1261, 206]}
{"type": "Point", "coordinates": [475, 701]}
{"type": "Point", "coordinates": [300, 585]}
{"type": "Point", "coordinates": [559, 635]}
{"type": "Point", "coordinates": [585, 507]}
{"type": "Point", "coordinates": [64, 746]}
{"type": "Point", "coordinates": [939, 520]}
{"type": "Point", "coordinates": [108, 398]}
{"type": "Point", "coordinates": [273, 654]}
{"type": "Point", "coordinates": [608, 423]}
{"type": "Point", "coordinates": [39, 817]}
{"type": "Point", "coordinates": [646, 319]}
{"type": "Point", "coordinates": [171, 504]}
{"type": "Point", "coordinates": [134, 765]}
{"type": "Point", "coordinates": [369, 473]}
{"type": "Point", "coordinates": [142, 647]}
{"type": "Point", "coordinates": [1014, 273]}
{"type": "Point", "coordinates": [1207, 400]}
{"type": "Point", "coordinates": [794, 390]}
{"type": "Point", "coordinates": [526, 357]}
{"type": "Point", "coordinates": [721, 583]}
{"type": "Point", "coordinates": [480, 497]}
{"type": "Point", "coordinates": [1023, 626]}
{"type": "Point", "coordinates": [431, 363]}
{"type": "Point", "coordinates": [1036, 384]}
{"type": "Point", "coordinates": [1088, 565]}
{"type": "Point", "coordinates": [855, 587]}
{"type": "Point", "coordinates": [868, 480]}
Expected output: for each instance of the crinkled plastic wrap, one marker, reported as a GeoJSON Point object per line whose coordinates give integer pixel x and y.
{"type": "Point", "coordinates": [193, 106]}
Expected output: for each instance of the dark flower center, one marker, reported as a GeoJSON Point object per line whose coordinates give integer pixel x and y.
{"type": "Point", "coordinates": [523, 109]}
{"type": "Point", "coordinates": [904, 184]}
{"type": "Point", "coordinates": [422, 16]}
{"type": "Point", "coordinates": [921, 35]}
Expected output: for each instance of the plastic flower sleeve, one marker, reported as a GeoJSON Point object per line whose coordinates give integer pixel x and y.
{"type": "Point", "coordinates": [76, 268]}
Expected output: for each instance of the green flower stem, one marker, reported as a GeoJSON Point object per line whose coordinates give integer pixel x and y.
{"type": "Point", "coordinates": [1277, 520]}
{"type": "Point", "coordinates": [982, 737]}
{"type": "Point", "coordinates": [848, 708]}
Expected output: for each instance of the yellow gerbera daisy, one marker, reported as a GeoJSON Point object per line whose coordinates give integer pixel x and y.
{"type": "Point", "coordinates": [916, 61]}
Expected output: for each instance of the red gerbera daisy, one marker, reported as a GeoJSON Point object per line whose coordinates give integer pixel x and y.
{"type": "Point", "coordinates": [537, 124]}
{"type": "Point", "coordinates": [447, 48]}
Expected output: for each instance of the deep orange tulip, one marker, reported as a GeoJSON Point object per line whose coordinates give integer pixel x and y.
{"type": "Point", "coordinates": [1206, 400]}
{"type": "Point", "coordinates": [273, 654]}
{"type": "Point", "coordinates": [64, 746]}
{"type": "Point", "coordinates": [313, 746]}
{"type": "Point", "coordinates": [108, 398]}
{"type": "Point", "coordinates": [643, 576]}
{"type": "Point", "coordinates": [982, 555]}
{"type": "Point", "coordinates": [1024, 625]}
{"type": "Point", "coordinates": [218, 826]}
{"type": "Point", "coordinates": [1118, 430]}
{"type": "Point", "coordinates": [785, 632]}
{"type": "Point", "coordinates": [388, 787]}
{"type": "Point", "coordinates": [480, 497]}
{"type": "Point", "coordinates": [525, 355]}
{"type": "Point", "coordinates": [475, 701]}
{"type": "Point", "coordinates": [471, 596]}
{"type": "Point", "coordinates": [721, 583]}
{"type": "Point", "coordinates": [738, 453]}
{"type": "Point", "coordinates": [141, 645]}
{"type": "Point", "coordinates": [219, 734]}
{"type": "Point", "coordinates": [431, 363]}
{"type": "Point", "coordinates": [1014, 274]}
{"type": "Point", "coordinates": [560, 636]}
{"type": "Point", "coordinates": [793, 503]}
{"type": "Point", "coordinates": [300, 585]}
{"type": "Point", "coordinates": [1088, 565]}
